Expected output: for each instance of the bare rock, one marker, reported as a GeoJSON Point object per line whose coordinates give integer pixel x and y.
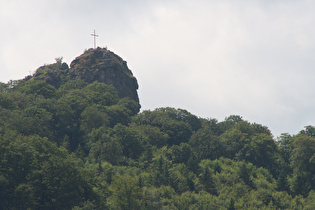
{"type": "Point", "coordinates": [102, 65]}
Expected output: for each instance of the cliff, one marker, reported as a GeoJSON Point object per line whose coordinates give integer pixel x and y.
{"type": "Point", "coordinates": [102, 65]}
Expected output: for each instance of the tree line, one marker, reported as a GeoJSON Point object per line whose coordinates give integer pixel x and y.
{"type": "Point", "coordinates": [80, 146]}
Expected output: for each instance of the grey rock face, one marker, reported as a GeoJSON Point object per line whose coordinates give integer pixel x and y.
{"type": "Point", "coordinates": [102, 65]}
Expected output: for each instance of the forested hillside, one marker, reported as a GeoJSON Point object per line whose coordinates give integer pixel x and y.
{"type": "Point", "coordinates": [78, 145]}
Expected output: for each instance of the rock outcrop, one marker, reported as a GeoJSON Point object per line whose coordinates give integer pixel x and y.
{"type": "Point", "coordinates": [54, 74]}
{"type": "Point", "coordinates": [100, 65]}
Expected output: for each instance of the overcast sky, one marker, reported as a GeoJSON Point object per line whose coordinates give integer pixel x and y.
{"type": "Point", "coordinates": [253, 58]}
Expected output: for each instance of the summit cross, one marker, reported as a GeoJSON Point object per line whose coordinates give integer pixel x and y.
{"type": "Point", "coordinates": [94, 35]}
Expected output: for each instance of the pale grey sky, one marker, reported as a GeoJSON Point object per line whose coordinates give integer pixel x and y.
{"type": "Point", "coordinates": [253, 58]}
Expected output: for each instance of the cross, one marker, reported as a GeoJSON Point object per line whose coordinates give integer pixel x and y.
{"type": "Point", "coordinates": [94, 35]}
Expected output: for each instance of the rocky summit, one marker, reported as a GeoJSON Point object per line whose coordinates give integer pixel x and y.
{"type": "Point", "coordinates": [102, 65]}
{"type": "Point", "coordinates": [94, 65]}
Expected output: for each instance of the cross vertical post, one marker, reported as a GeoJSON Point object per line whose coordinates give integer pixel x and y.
{"type": "Point", "coordinates": [94, 35]}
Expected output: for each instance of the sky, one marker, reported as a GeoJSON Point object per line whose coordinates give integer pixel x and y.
{"type": "Point", "coordinates": [213, 58]}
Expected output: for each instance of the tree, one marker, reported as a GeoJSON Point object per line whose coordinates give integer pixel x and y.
{"type": "Point", "coordinates": [37, 87]}
{"type": "Point", "coordinates": [231, 205]}
{"type": "Point", "coordinates": [206, 145]}
{"type": "Point", "coordinates": [244, 174]}
{"type": "Point", "coordinates": [130, 139]}
{"type": "Point", "coordinates": [282, 182]}
{"type": "Point", "coordinates": [181, 179]}
{"type": "Point", "coordinates": [93, 119]}
{"type": "Point", "coordinates": [261, 150]}
{"type": "Point", "coordinates": [59, 60]}
{"type": "Point", "coordinates": [161, 170]}
{"type": "Point", "coordinates": [101, 94]}
{"type": "Point", "coordinates": [70, 85]}
{"type": "Point", "coordinates": [233, 141]}
{"type": "Point", "coordinates": [152, 134]}
{"type": "Point", "coordinates": [309, 130]}
{"type": "Point", "coordinates": [37, 174]}
{"type": "Point", "coordinates": [32, 120]}
{"type": "Point", "coordinates": [178, 132]}
{"type": "Point", "coordinates": [285, 147]}
{"type": "Point", "coordinates": [6, 101]}
{"type": "Point", "coordinates": [300, 184]}
{"type": "Point", "coordinates": [103, 146]}
{"type": "Point", "coordinates": [303, 163]}
{"type": "Point", "coordinates": [173, 122]}
{"type": "Point", "coordinates": [303, 158]}
{"type": "Point", "coordinates": [229, 122]}
{"type": "Point", "coordinates": [206, 179]}
{"type": "Point", "coordinates": [181, 153]}
{"type": "Point", "coordinates": [181, 115]}
{"type": "Point", "coordinates": [126, 193]}
{"type": "Point", "coordinates": [122, 111]}
{"type": "Point", "coordinates": [69, 108]}
{"type": "Point", "coordinates": [76, 100]}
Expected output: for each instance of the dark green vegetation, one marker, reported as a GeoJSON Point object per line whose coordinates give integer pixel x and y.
{"type": "Point", "coordinates": [79, 146]}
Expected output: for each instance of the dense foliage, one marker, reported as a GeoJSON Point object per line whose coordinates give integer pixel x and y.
{"type": "Point", "coordinates": [79, 146]}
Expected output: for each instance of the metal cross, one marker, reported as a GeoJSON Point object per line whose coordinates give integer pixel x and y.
{"type": "Point", "coordinates": [94, 35]}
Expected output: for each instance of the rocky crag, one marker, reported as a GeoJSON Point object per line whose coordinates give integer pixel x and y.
{"type": "Point", "coordinates": [100, 65]}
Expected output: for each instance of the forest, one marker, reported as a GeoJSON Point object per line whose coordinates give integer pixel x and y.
{"type": "Point", "coordinates": [77, 145]}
